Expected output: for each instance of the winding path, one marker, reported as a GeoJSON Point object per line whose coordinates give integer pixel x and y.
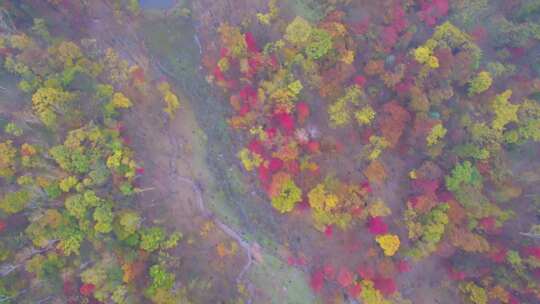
{"type": "Point", "coordinates": [175, 176]}
{"type": "Point", "coordinates": [228, 230]}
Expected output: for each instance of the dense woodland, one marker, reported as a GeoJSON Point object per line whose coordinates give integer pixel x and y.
{"type": "Point", "coordinates": [412, 133]}
{"type": "Point", "coordinates": [322, 99]}
{"type": "Point", "coordinates": [68, 177]}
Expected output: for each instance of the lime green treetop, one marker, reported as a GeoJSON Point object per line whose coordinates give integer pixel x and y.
{"type": "Point", "coordinates": [464, 173]}
{"type": "Point", "coordinates": [505, 112]}
{"type": "Point", "coordinates": [480, 83]}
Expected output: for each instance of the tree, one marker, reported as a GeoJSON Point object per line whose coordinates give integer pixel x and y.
{"type": "Point", "coordinates": [345, 277]}
{"type": "Point", "coordinates": [134, 7]}
{"type": "Point", "coordinates": [451, 36]}
{"type": "Point", "coordinates": [171, 100]}
{"type": "Point", "coordinates": [339, 111]}
{"type": "Point", "coordinates": [66, 54]}
{"type": "Point", "coordinates": [426, 230]}
{"type": "Point", "coordinates": [425, 56]}
{"type": "Point", "coordinates": [67, 183]}
{"type": "Point", "coordinates": [505, 112]}
{"type": "Point", "coordinates": [319, 44]}
{"type": "Point", "coordinates": [103, 216]}
{"type": "Point", "coordinates": [70, 239]}
{"type": "Point", "coordinates": [370, 295]}
{"type": "Point", "coordinates": [7, 159]}
{"type": "Point", "coordinates": [365, 115]}
{"type": "Point", "coordinates": [378, 208]}
{"type": "Point", "coordinates": [298, 31]}
{"type": "Point", "coordinates": [117, 68]}
{"type": "Point", "coordinates": [320, 200]}
{"type": "Point", "coordinates": [13, 129]}
{"type": "Point", "coordinates": [151, 238]}
{"type": "Point", "coordinates": [392, 121]}
{"type": "Point", "coordinates": [161, 280]}
{"type": "Point", "coordinates": [389, 243]}
{"type": "Point", "coordinates": [377, 226]}
{"type": "Point", "coordinates": [46, 228]}
{"type": "Point", "coordinates": [130, 221]}
{"type": "Point", "coordinates": [375, 172]}
{"type": "Point", "coordinates": [233, 40]}
{"type": "Point", "coordinates": [284, 192]}
{"type": "Point", "coordinates": [376, 146]}
{"type": "Point", "coordinates": [47, 268]}
{"type": "Point", "coordinates": [471, 151]}
{"type": "Point", "coordinates": [119, 295]}
{"type": "Point", "coordinates": [14, 202]}
{"type": "Point", "coordinates": [249, 159]}
{"type": "Point", "coordinates": [48, 101]}
{"type": "Point", "coordinates": [324, 206]}
{"type": "Point", "coordinates": [271, 15]}
{"type": "Point", "coordinates": [95, 275]}
{"type": "Point", "coordinates": [463, 173]}
{"type": "Point", "coordinates": [87, 289]}
{"type": "Point", "coordinates": [436, 134]}
{"type": "Point", "coordinates": [172, 241]}
{"type": "Point", "coordinates": [468, 241]}
{"type": "Point", "coordinates": [76, 206]}
{"type": "Point", "coordinates": [480, 83]}
{"type": "Point", "coordinates": [21, 41]}
{"type": "Point", "coordinates": [40, 28]}
{"type": "Point", "coordinates": [514, 259]}
{"type": "Point", "coordinates": [474, 293]}
{"type": "Point", "coordinates": [105, 92]}
{"type": "Point", "coordinates": [120, 101]}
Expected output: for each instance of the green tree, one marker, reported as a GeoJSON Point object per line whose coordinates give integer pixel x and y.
{"type": "Point", "coordinates": [319, 44]}
{"type": "Point", "coordinates": [436, 134]}
{"type": "Point", "coordinates": [298, 31]}
{"type": "Point", "coordinates": [130, 221]}
{"type": "Point", "coordinates": [67, 183]}
{"type": "Point", "coordinates": [480, 83]}
{"type": "Point", "coordinates": [119, 295]}
{"type": "Point", "coordinates": [8, 155]}
{"type": "Point", "coordinates": [475, 294]}
{"type": "Point", "coordinates": [161, 280]}
{"type": "Point", "coordinates": [134, 7]}
{"type": "Point", "coordinates": [76, 206]}
{"type": "Point", "coordinates": [505, 112]}
{"type": "Point", "coordinates": [48, 269]}
{"type": "Point", "coordinates": [48, 101]}
{"type": "Point", "coordinates": [151, 238]}
{"type": "Point", "coordinates": [472, 151]}
{"type": "Point", "coordinates": [428, 230]}
{"type": "Point", "coordinates": [12, 129]}
{"type": "Point", "coordinates": [40, 28]}
{"type": "Point", "coordinates": [99, 174]}
{"type": "Point", "coordinates": [103, 216]}
{"type": "Point", "coordinates": [288, 195]}
{"type": "Point", "coordinates": [172, 241]}
{"type": "Point", "coordinates": [464, 173]}
{"type": "Point", "coordinates": [53, 190]}
{"type": "Point", "coordinates": [70, 239]}
{"type": "Point", "coordinates": [514, 258]}
{"type": "Point", "coordinates": [14, 202]}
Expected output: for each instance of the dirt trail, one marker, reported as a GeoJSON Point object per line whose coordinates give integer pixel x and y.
{"type": "Point", "coordinates": [174, 175]}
